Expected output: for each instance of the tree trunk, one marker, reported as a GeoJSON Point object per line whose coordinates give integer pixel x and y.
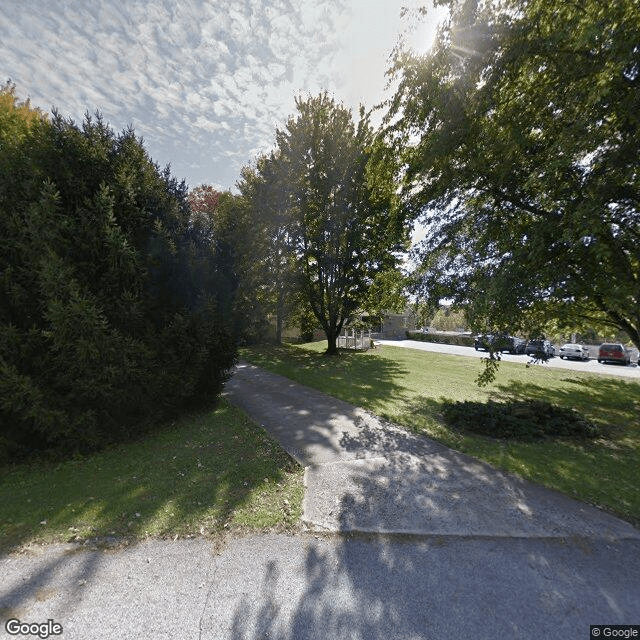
{"type": "Point", "coordinates": [279, 315]}
{"type": "Point", "coordinates": [332, 337]}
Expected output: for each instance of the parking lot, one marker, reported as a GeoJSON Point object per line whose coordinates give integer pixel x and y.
{"type": "Point", "coordinates": [590, 366]}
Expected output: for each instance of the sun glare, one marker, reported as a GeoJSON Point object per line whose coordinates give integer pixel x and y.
{"type": "Point", "coordinates": [419, 31]}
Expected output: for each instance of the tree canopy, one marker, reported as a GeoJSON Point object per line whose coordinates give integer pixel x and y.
{"type": "Point", "coordinates": [240, 223]}
{"type": "Point", "coordinates": [271, 259]}
{"type": "Point", "coordinates": [518, 137]}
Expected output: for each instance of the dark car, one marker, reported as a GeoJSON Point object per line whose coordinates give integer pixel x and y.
{"type": "Point", "coordinates": [614, 352]}
{"type": "Point", "coordinates": [483, 341]}
{"type": "Point", "coordinates": [539, 348]}
{"type": "Point", "coordinates": [513, 344]}
{"type": "Point", "coordinates": [499, 343]}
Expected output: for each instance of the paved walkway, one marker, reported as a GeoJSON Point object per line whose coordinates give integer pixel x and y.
{"type": "Point", "coordinates": [368, 476]}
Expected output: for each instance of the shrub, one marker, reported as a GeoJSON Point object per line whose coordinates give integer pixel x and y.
{"type": "Point", "coordinates": [459, 340]}
{"type": "Point", "coordinates": [526, 420]}
{"type": "Point", "coordinates": [115, 303]}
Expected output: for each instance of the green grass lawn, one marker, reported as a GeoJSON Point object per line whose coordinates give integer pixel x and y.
{"type": "Point", "coordinates": [410, 387]}
{"type": "Point", "coordinates": [205, 474]}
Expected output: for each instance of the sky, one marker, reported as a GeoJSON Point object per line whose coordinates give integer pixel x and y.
{"type": "Point", "coordinates": [204, 83]}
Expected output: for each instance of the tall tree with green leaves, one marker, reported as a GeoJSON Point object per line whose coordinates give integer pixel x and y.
{"type": "Point", "coordinates": [239, 222]}
{"type": "Point", "coordinates": [345, 227]}
{"type": "Point", "coordinates": [519, 138]}
{"type": "Point", "coordinates": [264, 188]}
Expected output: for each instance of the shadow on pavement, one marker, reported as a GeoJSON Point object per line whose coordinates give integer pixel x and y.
{"type": "Point", "coordinates": [433, 545]}
{"type": "Point", "coordinates": [306, 422]}
{"type": "Point", "coordinates": [408, 484]}
{"type": "Point", "coordinates": [436, 589]}
{"type": "Point", "coordinates": [17, 597]}
{"type": "Point", "coordinates": [358, 378]}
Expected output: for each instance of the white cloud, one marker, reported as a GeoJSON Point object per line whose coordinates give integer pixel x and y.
{"type": "Point", "coordinates": [205, 82]}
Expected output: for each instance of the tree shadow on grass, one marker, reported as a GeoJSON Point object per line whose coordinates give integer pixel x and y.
{"type": "Point", "coordinates": [307, 422]}
{"type": "Point", "coordinates": [208, 473]}
{"type": "Point", "coordinates": [613, 405]}
{"type": "Point", "coordinates": [364, 379]}
{"type": "Point", "coordinates": [599, 469]}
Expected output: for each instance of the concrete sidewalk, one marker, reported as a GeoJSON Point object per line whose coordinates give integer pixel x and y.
{"type": "Point", "coordinates": [368, 476]}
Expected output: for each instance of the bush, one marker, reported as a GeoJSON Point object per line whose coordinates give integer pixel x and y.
{"type": "Point", "coordinates": [459, 340]}
{"type": "Point", "coordinates": [115, 303]}
{"type": "Point", "coordinates": [527, 420]}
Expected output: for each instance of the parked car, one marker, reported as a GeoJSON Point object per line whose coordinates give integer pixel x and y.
{"type": "Point", "coordinates": [614, 352]}
{"type": "Point", "coordinates": [483, 341]}
{"type": "Point", "coordinates": [573, 351]}
{"type": "Point", "coordinates": [499, 343]}
{"type": "Point", "coordinates": [512, 344]}
{"type": "Point", "coordinates": [539, 348]}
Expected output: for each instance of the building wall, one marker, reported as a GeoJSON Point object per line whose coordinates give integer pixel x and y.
{"type": "Point", "coordinates": [395, 325]}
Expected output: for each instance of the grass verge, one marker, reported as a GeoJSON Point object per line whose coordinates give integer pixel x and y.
{"type": "Point", "coordinates": [412, 388]}
{"type": "Point", "coordinates": [207, 473]}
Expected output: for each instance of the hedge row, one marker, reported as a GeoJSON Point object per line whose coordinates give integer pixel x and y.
{"type": "Point", "coordinates": [115, 302]}
{"type": "Point", "coordinates": [461, 341]}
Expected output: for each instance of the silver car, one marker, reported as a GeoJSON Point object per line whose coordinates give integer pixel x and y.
{"type": "Point", "coordinates": [573, 351]}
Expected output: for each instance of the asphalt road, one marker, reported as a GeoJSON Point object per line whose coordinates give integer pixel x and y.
{"type": "Point", "coordinates": [314, 587]}
{"type": "Point", "coordinates": [590, 366]}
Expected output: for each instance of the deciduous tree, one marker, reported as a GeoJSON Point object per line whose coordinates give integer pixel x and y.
{"type": "Point", "coordinates": [265, 190]}
{"type": "Point", "coordinates": [519, 139]}
{"type": "Point", "coordinates": [345, 228]}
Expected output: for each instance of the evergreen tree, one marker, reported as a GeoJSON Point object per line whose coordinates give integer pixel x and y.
{"type": "Point", "coordinates": [114, 299]}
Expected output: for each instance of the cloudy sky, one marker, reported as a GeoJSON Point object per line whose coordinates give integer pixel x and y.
{"type": "Point", "coordinates": [205, 83]}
